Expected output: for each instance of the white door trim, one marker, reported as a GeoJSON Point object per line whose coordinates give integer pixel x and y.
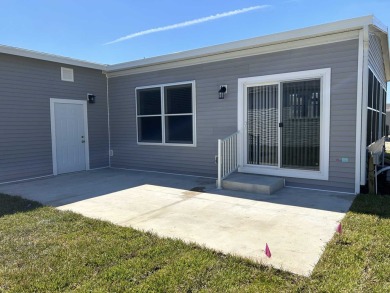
{"type": "Point", "coordinates": [53, 130]}
{"type": "Point", "coordinates": [243, 83]}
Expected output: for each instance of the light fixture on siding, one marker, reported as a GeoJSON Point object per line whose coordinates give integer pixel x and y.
{"type": "Point", "coordinates": [222, 91]}
{"type": "Point", "coordinates": [91, 98]}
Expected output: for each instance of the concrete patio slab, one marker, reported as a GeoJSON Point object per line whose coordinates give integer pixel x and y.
{"type": "Point", "coordinates": [296, 223]}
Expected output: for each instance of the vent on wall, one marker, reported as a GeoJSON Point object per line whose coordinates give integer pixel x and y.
{"type": "Point", "coordinates": [67, 74]}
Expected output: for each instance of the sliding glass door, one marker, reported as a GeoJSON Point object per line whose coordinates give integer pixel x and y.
{"type": "Point", "coordinates": [300, 127]}
{"type": "Point", "coordinates": [262, 125]}
{"type": "Point", "coordinates": [283, 125]}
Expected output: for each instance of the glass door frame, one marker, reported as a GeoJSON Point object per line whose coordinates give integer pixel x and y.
{"type": "Point", "coordinates": [245, 132]}
{"type": "Point", "coordinates": [243, 83]}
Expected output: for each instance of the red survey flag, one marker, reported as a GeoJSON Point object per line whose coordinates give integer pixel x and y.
{"type": "Point", "coordinates": [267, 251]}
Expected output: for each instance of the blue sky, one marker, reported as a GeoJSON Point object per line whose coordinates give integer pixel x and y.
{"type": "Point", "coordinates": [82, 29]}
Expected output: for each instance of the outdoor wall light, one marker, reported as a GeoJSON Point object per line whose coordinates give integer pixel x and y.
{"type": "Point", "coordinates": [222, 91]}
{"type": "Point", "coordinates": [91, 98]}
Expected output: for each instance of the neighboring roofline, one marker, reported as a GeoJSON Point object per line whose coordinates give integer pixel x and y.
{"type": "Point", "coordinates": [304, 33]}
{"type": "Point", "coordinates": [50, 57]}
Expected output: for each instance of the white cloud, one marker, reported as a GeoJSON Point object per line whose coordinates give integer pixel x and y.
{"type": "Point", "coordinates": [188, 23]}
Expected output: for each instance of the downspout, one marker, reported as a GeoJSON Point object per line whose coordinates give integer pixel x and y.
{"type": "Point", "coordinates": [364, 102]}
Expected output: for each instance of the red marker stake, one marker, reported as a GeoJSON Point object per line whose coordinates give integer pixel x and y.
{"type": "Point", "coordinates": [339, 229]}
{"type": "Point", "coordinates": [267, 251]}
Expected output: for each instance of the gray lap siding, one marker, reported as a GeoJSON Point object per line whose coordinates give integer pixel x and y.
{"type": "Point", "coordinates": [218, 118]}
{"type": "Point", "coordinates": [26, 86]}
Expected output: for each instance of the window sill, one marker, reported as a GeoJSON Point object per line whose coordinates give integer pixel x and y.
{"type": "Point", "coordinates": [167, 144]}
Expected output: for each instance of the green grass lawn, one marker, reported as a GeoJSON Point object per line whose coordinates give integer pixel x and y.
{"type": "Point", "coordinates": [45, 250]}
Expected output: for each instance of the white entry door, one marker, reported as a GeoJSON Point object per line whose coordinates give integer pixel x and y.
{"type": "Point", "coordinates": [69, 135]}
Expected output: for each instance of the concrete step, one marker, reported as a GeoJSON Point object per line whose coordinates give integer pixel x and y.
{"type": "Point", "coordinates": [253, 183]}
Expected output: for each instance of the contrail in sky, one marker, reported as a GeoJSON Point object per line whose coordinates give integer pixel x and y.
{"type": "Point", "coordinates": [188, 23]}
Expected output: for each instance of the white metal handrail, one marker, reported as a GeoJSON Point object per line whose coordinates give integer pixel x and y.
{"type": "Point", "coordinates": [227, 157]}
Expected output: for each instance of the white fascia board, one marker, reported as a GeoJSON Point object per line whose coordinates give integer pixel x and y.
{"type": "Point", "coordinates": [254, 51]}
{"type": "Point", "coordinates": [376, 22]}
{"type": "Point", "coordinates": [313, 31]}
{"type": "Point", "coordinates": [50, 57]}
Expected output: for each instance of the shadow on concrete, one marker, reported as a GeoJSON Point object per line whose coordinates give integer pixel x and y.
{"type": "Point", "coordinates": [69, 188]}
{"type": "Point", "coordinates": [15, 204]}
{"type": "Point", "coordinates": [312, 199]}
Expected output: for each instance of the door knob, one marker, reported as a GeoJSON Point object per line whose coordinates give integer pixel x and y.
{"type": "Point", "coordinates": [83, 141]}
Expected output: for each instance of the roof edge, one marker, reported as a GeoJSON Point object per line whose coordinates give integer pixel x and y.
{"type": "Point", "coordinates": [282, 37]}
{"type": "Point", "coordinates": [50, 57]}
{"type": "Point", "coordinates": [328, 28]}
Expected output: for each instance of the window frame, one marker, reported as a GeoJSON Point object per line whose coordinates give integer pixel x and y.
{"type": "Point", "coordinates": [163, 115]}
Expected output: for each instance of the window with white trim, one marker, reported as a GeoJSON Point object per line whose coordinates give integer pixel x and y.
{"type": "Point", "coordinates": [166, 114]}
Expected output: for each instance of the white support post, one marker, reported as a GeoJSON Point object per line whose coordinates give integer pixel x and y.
{"type": "Point", "coordinates": [219, 180]}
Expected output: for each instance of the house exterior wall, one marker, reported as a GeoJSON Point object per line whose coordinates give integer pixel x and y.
{"type": "Point", "coordinates": [26, 86]}
{"type": "Point", "coordinates": [218, 118]}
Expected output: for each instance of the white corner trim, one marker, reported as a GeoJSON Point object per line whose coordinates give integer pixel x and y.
{"type": "Point", "coordinates": [87, 164]}
{"type": "Point", "coordinates": [325, 75]}
{"type": "Point", "coordinates": [53, 130]}
{"type": "Point", "coordinates": [364, 86]}
{"type": "Point", "coordinates": [359, 114]}
{"type": "Point", "coordinates": [53, 137]}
